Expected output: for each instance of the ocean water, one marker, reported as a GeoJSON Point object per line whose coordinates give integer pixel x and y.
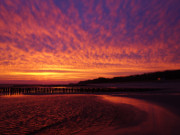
{"type": "Point", "coordinates": [83, 114]}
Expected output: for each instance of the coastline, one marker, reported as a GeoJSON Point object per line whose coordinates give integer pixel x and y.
{"type": "Point", "coordinates": [169, 101]}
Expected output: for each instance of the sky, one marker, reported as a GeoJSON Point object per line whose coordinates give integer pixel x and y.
{"type": "Point", "coordinates": [66, 41]}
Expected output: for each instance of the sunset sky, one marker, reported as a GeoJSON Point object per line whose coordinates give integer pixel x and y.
{"type": "Point", "coordinates": [64, 41]}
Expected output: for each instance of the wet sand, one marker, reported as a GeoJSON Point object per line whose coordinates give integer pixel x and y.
{"type": "Point", "coordinates": [170, 101]}
{"type": "Point", "coordinates": [84, 114]}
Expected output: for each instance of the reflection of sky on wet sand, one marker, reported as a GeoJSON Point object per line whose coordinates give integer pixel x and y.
{"type": "Point", "coordinates": [83, 114]}
{"type": "Point", "coordinates": [160, 120]}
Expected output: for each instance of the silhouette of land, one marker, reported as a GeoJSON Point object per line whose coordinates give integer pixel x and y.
{"type": "Point", "coordinates": [156, 76]}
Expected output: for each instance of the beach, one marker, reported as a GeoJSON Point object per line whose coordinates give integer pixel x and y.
{"type": "Point", "coordinates": [84, 114]}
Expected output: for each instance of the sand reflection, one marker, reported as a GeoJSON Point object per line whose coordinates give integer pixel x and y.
{"type": "Point", "coordinates": [159, 121]}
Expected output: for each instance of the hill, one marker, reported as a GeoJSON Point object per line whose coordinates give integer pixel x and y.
{"type": "Point", "coordinates": [160, 76]}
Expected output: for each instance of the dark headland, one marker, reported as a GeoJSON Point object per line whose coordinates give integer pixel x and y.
{"type": "Point", "coordinates": [170, 75]}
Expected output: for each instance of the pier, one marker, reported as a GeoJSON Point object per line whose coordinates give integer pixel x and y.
{"type": "Point", "coordinates": [49, 90]}
{"type": "Point", "coordinates": [66, 90]}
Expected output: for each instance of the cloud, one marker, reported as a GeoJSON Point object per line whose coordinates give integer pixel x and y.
{"type": "Point", "coordinates": [95, 37]}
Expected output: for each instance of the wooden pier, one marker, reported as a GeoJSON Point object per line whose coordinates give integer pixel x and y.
{"type": "Point", "coordinates": [51, 90]}
{"type": "Point", "coordinates": [66, 90]}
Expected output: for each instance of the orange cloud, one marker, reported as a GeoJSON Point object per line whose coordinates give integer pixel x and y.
{"type": "Point", "coordinates": [42, 40]}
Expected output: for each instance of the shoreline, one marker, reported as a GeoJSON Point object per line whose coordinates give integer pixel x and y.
{"type": "Point", "coordinates": [168, 101]}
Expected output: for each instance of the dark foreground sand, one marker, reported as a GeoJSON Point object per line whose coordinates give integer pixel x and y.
{"type": "Point", "coordinates": [84, 114]}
